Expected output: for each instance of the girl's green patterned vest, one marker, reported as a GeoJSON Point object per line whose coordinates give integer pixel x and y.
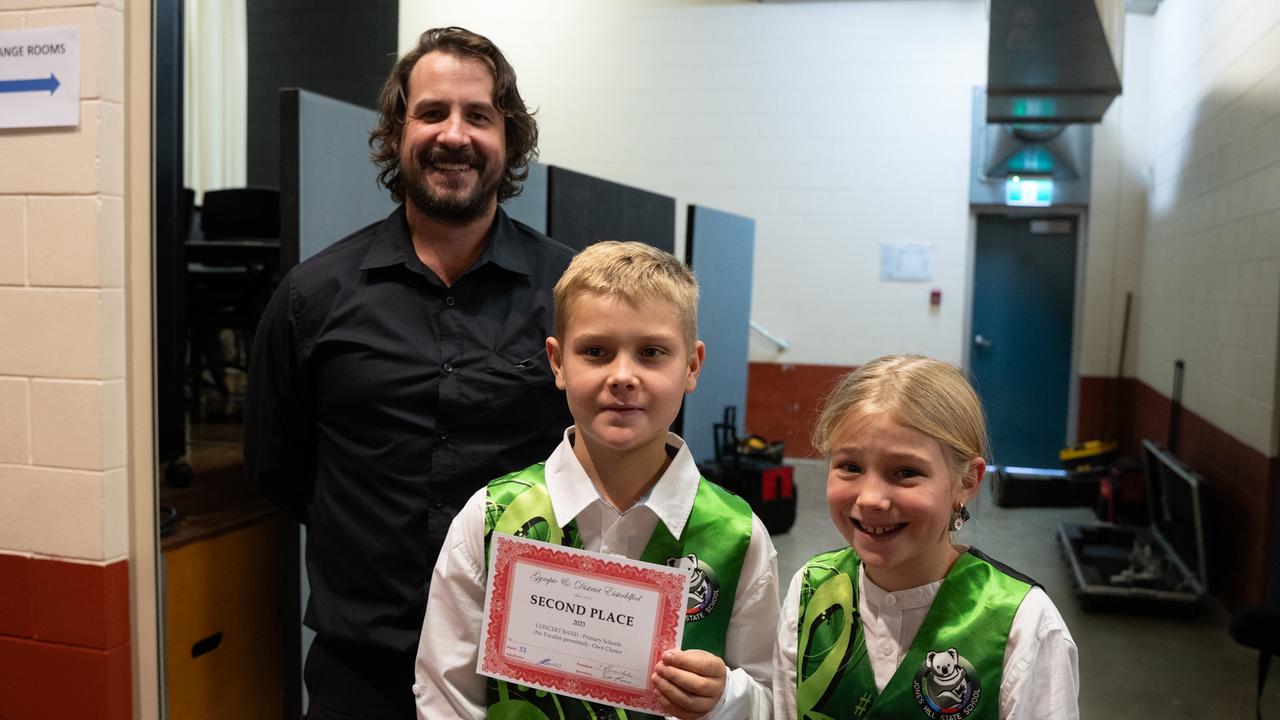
{"type": "Point", "coordinates": [715, 539]}
{"type": "Point", "coordinates": [953, 668]}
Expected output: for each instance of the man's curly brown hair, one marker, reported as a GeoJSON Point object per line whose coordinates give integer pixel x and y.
{"type": "Point", "coordinates": [520, 128]}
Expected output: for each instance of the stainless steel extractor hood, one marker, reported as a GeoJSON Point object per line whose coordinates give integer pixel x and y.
{"type": "Point", "coordinates": [1048, 61]}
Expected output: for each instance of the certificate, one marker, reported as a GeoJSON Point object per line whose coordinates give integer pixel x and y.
{"type": "Point", "coordinates": [579, 623]}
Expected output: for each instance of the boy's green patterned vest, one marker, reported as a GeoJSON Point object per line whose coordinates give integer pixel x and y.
{"type": "Point", "coordinates": [953, 668]}
{"type": "Point", "coordinates": [715, 537]}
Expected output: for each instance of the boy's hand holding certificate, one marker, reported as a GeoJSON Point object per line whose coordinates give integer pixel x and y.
{"type": "Point", "coordinates": [579, 623]}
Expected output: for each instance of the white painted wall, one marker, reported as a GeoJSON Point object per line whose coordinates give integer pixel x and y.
{"type": "Point", "coordinates": [1210, 270]}
{"type": "Point", "coordinates": [836, 125]}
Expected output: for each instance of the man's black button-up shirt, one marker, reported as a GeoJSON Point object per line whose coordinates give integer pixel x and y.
{"type": "Point", "coordinates": [380, 400]}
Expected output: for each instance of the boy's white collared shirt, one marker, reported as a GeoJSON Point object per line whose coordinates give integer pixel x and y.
{"type": "Point", "coordinates": [446, 684]}
{"type": "Point", "coordinates": [601, 526]}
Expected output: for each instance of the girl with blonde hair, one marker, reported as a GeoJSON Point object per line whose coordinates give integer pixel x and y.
{"type": "Point", "coordinates": [903, 622]}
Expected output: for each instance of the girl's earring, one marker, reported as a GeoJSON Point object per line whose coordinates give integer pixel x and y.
{"type": "Point", "coordinates": [959, 516]}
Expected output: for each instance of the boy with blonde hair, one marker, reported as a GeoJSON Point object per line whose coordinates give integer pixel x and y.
{"type": "Point", "coordinates": [625, 352]}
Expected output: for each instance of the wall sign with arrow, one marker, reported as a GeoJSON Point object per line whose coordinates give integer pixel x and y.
{"type": "Point", "coordinates": [40, 78]}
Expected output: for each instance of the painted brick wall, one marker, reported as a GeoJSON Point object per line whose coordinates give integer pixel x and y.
{"type": "Point", "coordinates": [62, 456]}
{"type": "Point", "coordinates": [1117, 212]}
{"type": "Point", "coordinates": [1185, 214]}
{"type": "Point", "coordinates": [64, 593]}
{"type": "Point", "coordinates": [1210, 278]}
{"type": "Point", "coordinates": [64, 625]}
{"type": "Point", "coordinates": [1239, 492]}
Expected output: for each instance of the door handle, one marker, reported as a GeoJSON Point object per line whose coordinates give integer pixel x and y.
{"type": "Point", "coordinates": [981, 342]}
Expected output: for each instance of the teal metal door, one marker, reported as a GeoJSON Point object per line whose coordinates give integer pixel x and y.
{"type": "Point", "coordinates": [1023, 300]}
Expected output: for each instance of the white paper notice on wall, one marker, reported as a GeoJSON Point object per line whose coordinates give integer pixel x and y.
{"type": "Point", "coordinates": [906, 262]}
{"type": "Point", "coordinates": [40, 78]}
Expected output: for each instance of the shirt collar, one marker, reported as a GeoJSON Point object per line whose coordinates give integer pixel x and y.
{"type": "Point", "coordinates": [393, 245]}
{"type": "Point", "coordinates": [877, 597]}
{"type": "Point", "coordinates": [506, 247]}
{"type": "Point", "coordinates": [390, 242]}
{"type": "Point", "coordinates": [671, 498]}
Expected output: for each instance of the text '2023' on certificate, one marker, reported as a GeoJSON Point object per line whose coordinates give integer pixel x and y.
{"type": "Point", "coordinates": [579, 623]}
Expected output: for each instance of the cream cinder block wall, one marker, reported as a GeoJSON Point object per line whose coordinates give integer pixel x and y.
{"type": "Point", "coordinates": [63, 483]}
{"type": "Point", "coordinates": [837, 126]}
{"type": "Point", "coordinates": [1117, 213]}
{"type": "Point", "coordinates": [1210, 281]}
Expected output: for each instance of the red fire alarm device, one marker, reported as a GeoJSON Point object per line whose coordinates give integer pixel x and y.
{"type": "Point", "coordinates": [935, 297]}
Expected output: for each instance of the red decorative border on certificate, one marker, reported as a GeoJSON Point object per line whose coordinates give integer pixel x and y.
{"type": "Point", "coordinates": [671, 604]}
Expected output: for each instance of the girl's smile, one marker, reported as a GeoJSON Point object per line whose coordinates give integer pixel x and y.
{"type": "Point", "coordinates": [879, 532]}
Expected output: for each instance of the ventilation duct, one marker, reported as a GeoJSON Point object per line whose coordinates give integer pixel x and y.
{"type": "Point", "coordinates": [1060, 152]}
{"type": "Point", "coordinates": [1054, 150]}
{"type": "Point", "coordinates": [1048, 61]}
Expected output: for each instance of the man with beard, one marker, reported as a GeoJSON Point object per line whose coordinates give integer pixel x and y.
{"type": "Point", "coordinates": [403, 367]}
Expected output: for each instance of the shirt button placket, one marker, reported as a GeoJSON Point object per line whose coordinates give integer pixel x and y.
{"type": "Point", "coordinates": [449, 301]}
{"type": "Point", "coordinates": [449, 392]}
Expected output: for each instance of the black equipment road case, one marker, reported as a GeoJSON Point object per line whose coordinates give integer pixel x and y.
{"type": "Point", "coordinates": [1161, 564]}
{"type": "Point", "coordinates": [1044, 487]}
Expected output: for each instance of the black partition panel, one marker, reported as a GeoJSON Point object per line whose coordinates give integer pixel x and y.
{"type": "Point", "coordinates": [340, 48]}
{"type": "Point", "coordinates": [582, 210]}
{"type": "Point", "coordinates": [720, 247]}
{"type": "Point", "coordinates": [171, 218]}
{"type": "Point", "coordinates": [328, 189]}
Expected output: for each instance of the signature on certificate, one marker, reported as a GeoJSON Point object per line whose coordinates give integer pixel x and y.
{"type": "Point", "coordinates": [613, 673]}
{"type": "Point", "coordinates": [549, 662]}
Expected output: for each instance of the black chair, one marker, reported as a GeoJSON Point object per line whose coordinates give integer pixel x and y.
{"type": "Point", "coordinates": [1259, 628]}
{"type": "Point", "coordinates": [230, 278]}
{"type": "Point", "coordinates": [241, 214]}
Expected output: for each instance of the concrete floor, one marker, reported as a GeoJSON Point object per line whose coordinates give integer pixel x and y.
{"type": "Point", "coordinates": [1132, 664]}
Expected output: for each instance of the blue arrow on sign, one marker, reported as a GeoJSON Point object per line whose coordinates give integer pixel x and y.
{"type": "Point", "coordinates": [38, 85]}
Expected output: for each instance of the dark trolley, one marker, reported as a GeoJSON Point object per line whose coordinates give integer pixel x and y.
{"type": "Point", "coordinates": [1162, 564]}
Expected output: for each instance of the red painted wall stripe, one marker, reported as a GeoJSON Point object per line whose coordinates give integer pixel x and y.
{"type": "Point", "coordinates": [52, 682]}
{"type": "Point", "coordinates": [783, 402]}
{"type": "Point", "coordinates": [64, 640]}
{"type": "Point", "coordinates": [17, 615]}
{"type": "Point", "coordinates": [81, 604]}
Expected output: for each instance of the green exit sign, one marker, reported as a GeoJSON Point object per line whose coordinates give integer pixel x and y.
{"type": "Point", "coordinates": [1028, 190]}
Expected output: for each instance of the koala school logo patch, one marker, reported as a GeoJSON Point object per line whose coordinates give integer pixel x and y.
{"type": "Point", "coordinates": [704, 586]}
{"type": "Point", "coordinates": [946, 687]}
